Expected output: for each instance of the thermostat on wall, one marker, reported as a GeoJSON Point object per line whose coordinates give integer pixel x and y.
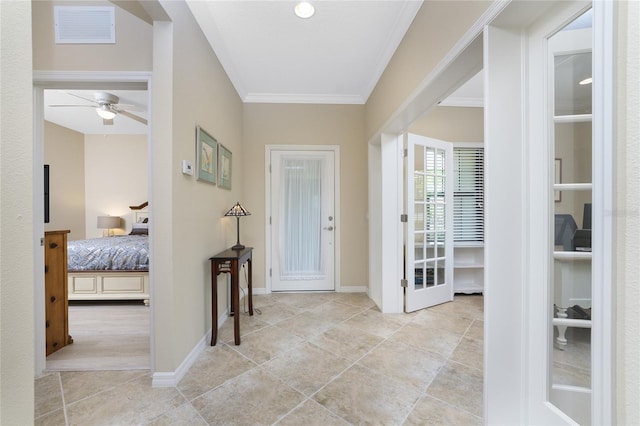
{"type": "Point", "coordinates": [187, 168]}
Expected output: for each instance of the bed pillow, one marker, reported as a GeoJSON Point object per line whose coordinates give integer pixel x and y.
{"type": "Point", "coordinates": [140, 229]}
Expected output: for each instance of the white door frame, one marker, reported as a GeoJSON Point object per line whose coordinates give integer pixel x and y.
{"type": "Point", "coordinates": [72, 80]}
{"type": "Point", "coordinates": [268, 149]}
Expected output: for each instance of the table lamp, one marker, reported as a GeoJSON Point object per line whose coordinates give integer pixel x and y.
{"type": "Point", "coordinates": [237, 210]}
{"type": "Point", "coordinates": [108, 223]}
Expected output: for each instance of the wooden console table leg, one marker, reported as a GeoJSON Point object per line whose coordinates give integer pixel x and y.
{"type": "Point", "coordinates": [250, 287]}
{"type": "Point", "coordinates": [235, 281]}
{"type": "Point", "coordinates": [214, 304]}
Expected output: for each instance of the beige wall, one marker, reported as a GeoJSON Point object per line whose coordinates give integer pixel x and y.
{"type": "Point", "coordinates": [188, 214]}
{"type": "Point", "coordinates": [285, 124]}
{"type": "Point", "coordinates": [115, 178]}
{"type": "Point", "coordinates": [64, 152]}
{"type": "Point", "coordinates": [627, 200]}
{"type": "Point", "coordinates": [132, 51]}
{"type": "Point", "coordinates": [16, 215]}
{"type": "Point", "coordinates": [436, 28]}
{"type": "Point", "coordinates": [451, 124]}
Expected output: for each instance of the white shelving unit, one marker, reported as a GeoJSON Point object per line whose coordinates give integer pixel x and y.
{"type": "Point", "coordinates": [468, 268]}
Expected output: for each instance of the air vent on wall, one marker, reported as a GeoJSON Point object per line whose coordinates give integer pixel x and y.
{"type": "Point", "coordinates": [85, 24]}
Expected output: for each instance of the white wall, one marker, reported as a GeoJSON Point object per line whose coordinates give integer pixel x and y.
{"type": "Point", "coordinates": [115, 178]}
{"type": "Point", "coordinates": [628, 213]}
{"type": "Point", "coordinates": [17, 246]}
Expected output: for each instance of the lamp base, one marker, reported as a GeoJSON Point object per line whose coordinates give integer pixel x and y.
{"type": "Point", "coordinates": [237, 247]}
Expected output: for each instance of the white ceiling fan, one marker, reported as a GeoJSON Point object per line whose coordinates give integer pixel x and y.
{"type": "Point", "coordinates": [107, 106]}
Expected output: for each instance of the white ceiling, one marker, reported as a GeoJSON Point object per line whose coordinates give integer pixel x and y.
{"type": "Point", "coordinates": [336, 56]}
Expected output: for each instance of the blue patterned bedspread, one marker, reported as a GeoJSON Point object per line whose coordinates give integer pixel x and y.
{"type": "Point", "coordinates": [122, 252]}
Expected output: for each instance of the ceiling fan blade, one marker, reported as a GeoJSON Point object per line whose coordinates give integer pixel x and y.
{"type": "Point", "coordinates": [75, 106]}
{"type": "Point", "coordinates": [107, 122]}
{"type": "Point", "coordinates": [83, 98]}
{"type": "Point", "coordinates": [133, 116]}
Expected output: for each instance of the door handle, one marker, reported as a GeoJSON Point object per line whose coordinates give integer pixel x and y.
{"type": "Point", "coordinates": [328, 228]}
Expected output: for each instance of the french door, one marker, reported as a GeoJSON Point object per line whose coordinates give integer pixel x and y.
{"type": "Point", "coordinates": [302, 219]}
{"type": "Point", "coordinates": [429, 230]}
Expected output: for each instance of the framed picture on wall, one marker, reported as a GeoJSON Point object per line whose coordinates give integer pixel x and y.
{"type": "Point", "coordinates": [206, 156]}
{"type": "Point", "coordinates": [557, 195]}
{"type": "Point", "coordinates": [224, 167]}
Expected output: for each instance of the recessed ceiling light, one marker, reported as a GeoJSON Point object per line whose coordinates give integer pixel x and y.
{"type": "Point", "coordinates": [304, 10]}
{"type": "Point", "coordinates": [586, 81]}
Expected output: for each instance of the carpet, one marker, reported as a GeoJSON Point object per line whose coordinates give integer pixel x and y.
{"type": "Point", "coordinates": [106, 336]}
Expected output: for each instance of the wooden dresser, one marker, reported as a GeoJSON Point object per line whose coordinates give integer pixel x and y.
{"type": "Point", "coordinates": [55, 290]}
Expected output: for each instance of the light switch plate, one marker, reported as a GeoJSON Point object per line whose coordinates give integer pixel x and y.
{"type": "Point", "coordinates": [187, 168]}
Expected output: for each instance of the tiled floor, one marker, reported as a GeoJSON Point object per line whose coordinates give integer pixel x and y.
{"type": "Point", "coordinates": [308, 359]}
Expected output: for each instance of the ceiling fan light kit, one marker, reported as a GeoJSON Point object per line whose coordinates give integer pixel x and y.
{"type": "Point", "coordinates": [304, 10]}
{"type": "Point", "coordinates": [105, 112]}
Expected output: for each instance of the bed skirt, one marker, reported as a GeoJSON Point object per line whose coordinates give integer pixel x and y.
{"type": "Point", "coordinates": [109, 285]}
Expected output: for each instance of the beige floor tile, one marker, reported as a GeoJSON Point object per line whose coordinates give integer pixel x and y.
{"type": "Point", "coordinates": [55, 418]}
{"type": "Point", "coordinates": [375, 322]}
{"type": "Point", "coordinates": [277, 312]}
{"type": "Point", "coordinates": [133, 402]}
{"type": "Point", "coordinates": [77, 385]}
{"type": "Point", "coordinates": [303, 300]}
{"type": "Point", "coordinates": [306, 368]}
{"type": "Point", "coordinates": [266, 344]}
{"type": "Point", "coordinates": [307, 324]}
{"type": "Point", "coordinates": [476, 331]}
{"type": "Point", "coordinates": [404, 363]}
{"type": "Point", "coordinates": [254, 398]}
{"type": "Point", "coordinates": [460, 386]}
{"type": "Point", "coordinates": [337, 311]}
{"type": "Point", "coordinates": [346, 342]}
{"type": "Point", "coordinates": [182, 415]}
{"type": "Point", "coordinates": [427, 338]}
{"type": "Point", "coordinates": [356, 299]}
{"type": "Point", "coordinates": [363, 396]}
{"type": "Point", "coordinates": [452, 323]}
{"type": "Point", "coordinates": [48, 394]}
{"type": "Point", "coordinates": [311, 413]}
{"type": "Point", "coordinates": [465, 306]}
{"type": "Point", "coordinates": [469, 352]}
{"type": "Point", "coordinates": [213, 367]}
{"type": "Point", "coordinates": [248, 325]}
{"type": "Point", "coordinates": [310, 351]}
{"type": "Point", "coordinates": [430, 411]}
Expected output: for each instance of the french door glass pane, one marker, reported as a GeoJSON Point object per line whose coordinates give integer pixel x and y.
{"type": "Point", "coordinates": [570, 327]}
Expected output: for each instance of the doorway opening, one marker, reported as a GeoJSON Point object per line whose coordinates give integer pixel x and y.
{"type": "Point", "coordinates": [97, 170]}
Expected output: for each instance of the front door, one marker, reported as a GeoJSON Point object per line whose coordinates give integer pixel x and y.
{"type": "Point", "coordinates": [429, 236]}
{"type": "Point", "coordinates": [302, 219]}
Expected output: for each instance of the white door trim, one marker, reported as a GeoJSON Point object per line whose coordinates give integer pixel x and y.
{"type": "Point", "coordinates": [73, 80]}
{"type": "Point", "coordinates": [267, 190]}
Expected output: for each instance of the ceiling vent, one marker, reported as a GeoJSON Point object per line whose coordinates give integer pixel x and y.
{"type": "Point", "coordinates": [85, 24]}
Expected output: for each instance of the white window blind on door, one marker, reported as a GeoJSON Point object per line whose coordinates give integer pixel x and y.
{"type": "Point", "coordinates": [468, 194]}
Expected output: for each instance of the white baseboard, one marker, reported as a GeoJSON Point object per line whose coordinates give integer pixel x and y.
{"type": "Point", "coordinates": [172, 378]}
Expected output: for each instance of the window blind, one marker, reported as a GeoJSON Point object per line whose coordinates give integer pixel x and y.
{"type": "Point", "coordinates": [468, 194]}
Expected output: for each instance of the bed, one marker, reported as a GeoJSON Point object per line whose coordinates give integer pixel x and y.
{"type": "Point", "coordinates": [111, 268]}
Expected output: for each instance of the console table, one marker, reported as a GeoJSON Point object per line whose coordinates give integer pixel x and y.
{"type": "Point", "coordinates": [230, 261]}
